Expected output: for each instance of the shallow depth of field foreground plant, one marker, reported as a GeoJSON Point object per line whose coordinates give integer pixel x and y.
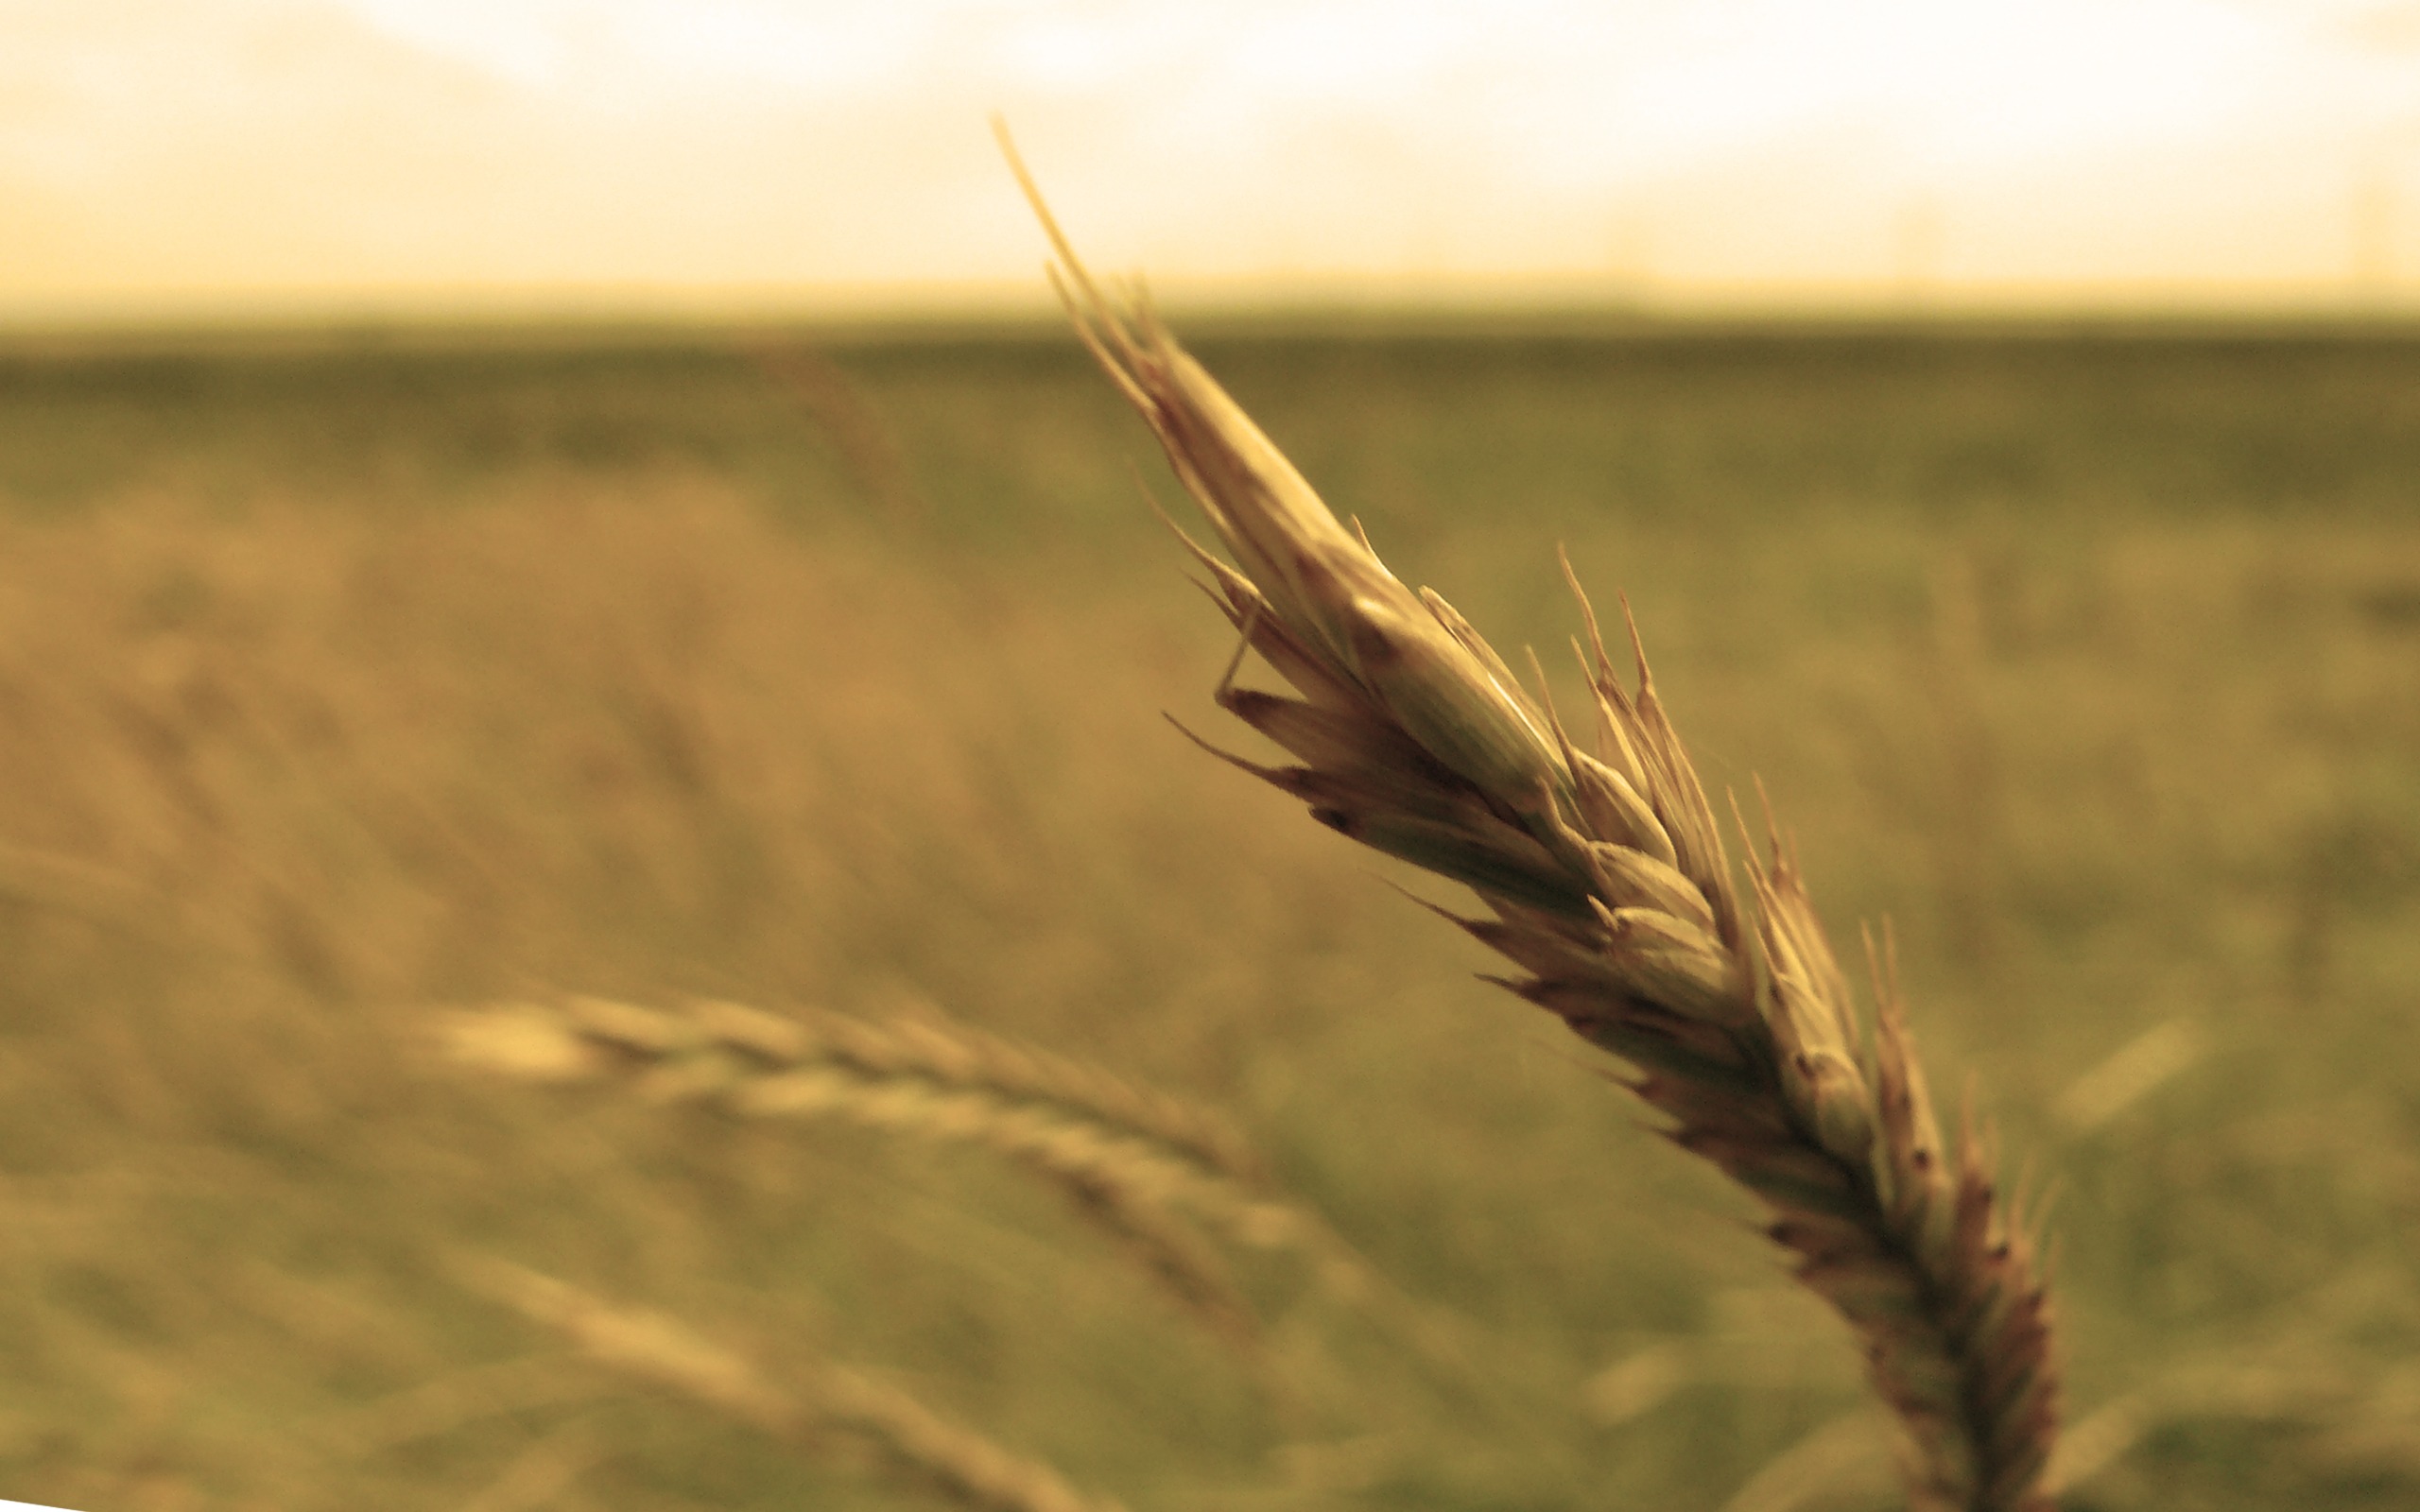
{"type": "Point", "coordinates": [1607, 884]}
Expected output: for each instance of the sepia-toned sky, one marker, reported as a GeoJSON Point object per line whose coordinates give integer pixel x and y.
{"type": "Point", "coordinates": [182, 157]}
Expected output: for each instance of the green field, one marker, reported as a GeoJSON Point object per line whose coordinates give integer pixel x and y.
{"type": "Point", "coordinates": [345, 680]}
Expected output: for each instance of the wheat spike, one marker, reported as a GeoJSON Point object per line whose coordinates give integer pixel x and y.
{"type": "Point", "coordinates": [1138, 1163]}
{"type": "Point", "coordinates": [1147, 1169]}
{"type": "Point", "coordinates": [1608, 886]}
{"type": "Point", "coordinates": [970, 1469]}
{"type": "Point", "coordinates": [933, 1081]}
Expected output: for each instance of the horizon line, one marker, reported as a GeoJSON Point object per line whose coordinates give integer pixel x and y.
{"type": "Point", "coordinates": [1270, 295]}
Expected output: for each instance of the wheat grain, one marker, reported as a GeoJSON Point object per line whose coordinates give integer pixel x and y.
{"type": "Point", "coordinates": [1608, 886]}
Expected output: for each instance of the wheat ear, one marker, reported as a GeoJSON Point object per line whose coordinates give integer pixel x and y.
{"type": "Point", "coordinates": [970, 1469]}
{"type": "Point", "coordinates": [1610, 889]}
{"type": "Point", "coordinates": [1136, 1162]}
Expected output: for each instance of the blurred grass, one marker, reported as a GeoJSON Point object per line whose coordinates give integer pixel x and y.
{"type": "Point", "coordinates": [341, 681]}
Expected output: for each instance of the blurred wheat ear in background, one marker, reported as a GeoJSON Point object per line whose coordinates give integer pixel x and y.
{"type": "Point", "coordinates": [1608, 886]}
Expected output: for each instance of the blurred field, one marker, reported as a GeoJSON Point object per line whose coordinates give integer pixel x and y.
{"type": "Point", "coordinates": [345, 680]}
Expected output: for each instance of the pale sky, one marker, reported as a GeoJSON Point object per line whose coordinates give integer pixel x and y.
{"type": "Point", "coordinates": [174, 157]}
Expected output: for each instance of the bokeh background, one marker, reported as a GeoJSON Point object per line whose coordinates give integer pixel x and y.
{"type": "Point", "coordinates": [534, 497]}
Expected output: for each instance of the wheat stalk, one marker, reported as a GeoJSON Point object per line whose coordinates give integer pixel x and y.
{"type": "Point", "coordinates": [1608, 884]}
{"type": "Point", "coordinates": [650, 1347]}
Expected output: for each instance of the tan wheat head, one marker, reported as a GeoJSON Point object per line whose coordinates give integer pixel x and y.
{"type": "Point", "coordinates": [1144, 1166]}
{"type": "Point", "coordinates": [1607, 884]}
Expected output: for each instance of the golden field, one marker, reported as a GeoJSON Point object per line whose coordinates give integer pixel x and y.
{"type": "Point", "coordinates": [343, 682]}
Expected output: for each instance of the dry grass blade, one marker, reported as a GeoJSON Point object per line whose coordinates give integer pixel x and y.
{"type": "Point", "coordinates": [1610, 887]}
{"type": "Point", "coordinates": [967, 1467]}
